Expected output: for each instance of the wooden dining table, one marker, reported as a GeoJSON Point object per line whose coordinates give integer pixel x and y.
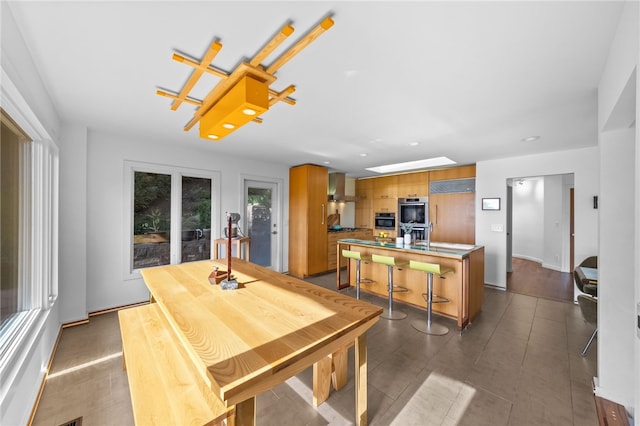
{"type": "Point", "coordinates": [249, 340]}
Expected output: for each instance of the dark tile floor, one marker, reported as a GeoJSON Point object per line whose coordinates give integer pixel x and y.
{"type": "Point", "coordinates": [519, 363]}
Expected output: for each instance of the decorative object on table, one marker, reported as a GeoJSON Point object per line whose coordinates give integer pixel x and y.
{"type": "Point", "coordinates": [407, 229]}
{"type": "Point", "coordinates": [217, 276]}
{"type": "Point", "coordinates": [229, 283]}
{"type": "Point", "coordinates": [243, 94]}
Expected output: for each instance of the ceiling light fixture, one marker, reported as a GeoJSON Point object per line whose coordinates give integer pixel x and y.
{"type": "Point", "coordinates": [530, 139]}
{"type": "Point", "coordinates": [412, 165]}
{"type": "Point", "coordinates": [244, 93]}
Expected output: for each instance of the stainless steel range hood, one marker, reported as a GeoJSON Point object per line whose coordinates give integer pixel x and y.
{"type": "Point", "coordinates": [336, 188]}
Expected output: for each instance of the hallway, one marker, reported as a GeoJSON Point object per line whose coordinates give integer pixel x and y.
{"type": "Point", "coordinates": [531, 279]}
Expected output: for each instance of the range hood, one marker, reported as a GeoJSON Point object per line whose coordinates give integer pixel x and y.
{"type": "Point", "coordinates": [336, 189]}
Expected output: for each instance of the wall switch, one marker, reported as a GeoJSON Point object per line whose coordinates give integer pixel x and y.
{"type": "Point", "coordinates": [497, 227]}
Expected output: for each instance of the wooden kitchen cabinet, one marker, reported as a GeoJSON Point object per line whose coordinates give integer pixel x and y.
{"type": "Point", "coordinates": [308, 185]}
{"type": "Point", "coordinates": [385, 187]}
{"type": "Point", "coordinates": [453, 217]}
{"type": "Point", "coordinates": [333, 237]}
{"type": "Point", "coordinates": [413, 185]}
{"type": "Point", "coordinates": [385, 205]}
{"type": "Point", "coordinates": [364, 203]}
{"type": "Point", "coordinates": [453, 173]}
{"type": "Point", "coordinates": [364, 218]}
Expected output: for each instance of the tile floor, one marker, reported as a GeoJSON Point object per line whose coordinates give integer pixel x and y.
{"type": "Point", "coordinates": [519, 364]}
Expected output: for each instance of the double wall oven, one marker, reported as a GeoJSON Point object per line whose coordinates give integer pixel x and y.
{"type": "Point", "coordinates": [416, 212]}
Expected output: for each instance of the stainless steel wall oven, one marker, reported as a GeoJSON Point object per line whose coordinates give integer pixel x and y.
{"type": "Point", "coordinates": [385, 221]}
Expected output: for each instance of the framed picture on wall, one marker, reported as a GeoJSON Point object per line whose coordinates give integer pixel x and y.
{"type": "Point", "coordinates": [491, 204]}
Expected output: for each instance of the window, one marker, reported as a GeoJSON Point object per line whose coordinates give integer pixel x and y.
{"type": "Point", "coordinates": [13, 226]}
{"type": "Point", "coordinates": [170, 214]}
{"type": "Point", "coordinates": [28, 225]}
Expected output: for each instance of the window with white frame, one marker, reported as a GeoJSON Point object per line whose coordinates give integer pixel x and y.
{"type": "Point", "coordinates": [28, 226]}
{"type": "Point", "coordinates": [170, 215]}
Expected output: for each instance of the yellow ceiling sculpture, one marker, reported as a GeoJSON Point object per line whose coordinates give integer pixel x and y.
{"type": "Point", "coordinates": [244, 94]}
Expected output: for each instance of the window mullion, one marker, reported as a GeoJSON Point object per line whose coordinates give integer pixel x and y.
{"type": "Point", "coordinates": [176, 218]}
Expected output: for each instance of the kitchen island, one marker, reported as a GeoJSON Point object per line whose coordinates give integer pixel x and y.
{"type": "Point", "coordinates": [464, 287]}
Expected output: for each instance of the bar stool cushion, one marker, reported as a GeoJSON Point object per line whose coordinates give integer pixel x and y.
{"type": "Point", "coordinates": [387, 260]}
{"type": "Point", "coordinates": [355, 255]}
{"type": "Point", "coordinates": [432, 268]}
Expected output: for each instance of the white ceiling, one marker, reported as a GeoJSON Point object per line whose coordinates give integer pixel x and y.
{"type": "Point", "coordinates": [466, 80]}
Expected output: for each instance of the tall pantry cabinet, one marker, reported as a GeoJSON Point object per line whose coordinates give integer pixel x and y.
{"type": "Point", "coordinates": [308, 187]}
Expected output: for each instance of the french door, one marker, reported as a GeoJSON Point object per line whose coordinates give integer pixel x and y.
{"type": "Point", "coordinates": [262, 221]}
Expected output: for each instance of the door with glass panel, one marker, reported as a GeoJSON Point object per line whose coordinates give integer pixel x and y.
{"type": "Point", "coordinates": [171, 218]}
{"type": "Point", "coordinates": [261, 220]}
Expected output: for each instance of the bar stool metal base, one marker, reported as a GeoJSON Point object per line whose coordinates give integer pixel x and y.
{"type": "Point", "coordinates": [432, 329]}
{"type": "Point", "coordinates": [393, 315]}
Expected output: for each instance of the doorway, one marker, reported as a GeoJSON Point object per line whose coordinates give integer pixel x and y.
{"type": "Point", "coordinates": [539, 236]}
{"type": "Point", "coordinates": [262, 219]}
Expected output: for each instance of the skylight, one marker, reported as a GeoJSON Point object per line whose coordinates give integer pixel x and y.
{"type": "Point", "coordinates": [412, 165]}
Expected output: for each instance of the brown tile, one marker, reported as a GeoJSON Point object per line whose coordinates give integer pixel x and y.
{"type": "Point", "coordinates": [477, 407]}
{"type": "Point", "coordinates": [519, 363]}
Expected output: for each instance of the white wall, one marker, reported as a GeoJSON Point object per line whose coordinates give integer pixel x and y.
{"type": "Point", "coordinates": [616, 261]}
{"type": "Point", "coordinates": [106, 234]}
{"type": "Point", "coordinates": [528, 219]}
{"type": "Point", "coordinates": [539, 223]}
{"type": "Point", "coordinates": [618, 347]}
{"type": "Point", "coordinates": [73, 223]}
{"type": "Point", "coordinates": [491, 181]}
{"type": "Point", "coordinates": [21, 381]}
{"type": "Point", "coordinates": [554, 232]}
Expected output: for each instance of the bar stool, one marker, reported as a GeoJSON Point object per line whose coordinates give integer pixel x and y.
{"type": "Point", "coordinates": [358, 257]}
{"type": "Point", "coordinates": [429, 327]}
{"type": "Point", "coordinates": [390, 261]}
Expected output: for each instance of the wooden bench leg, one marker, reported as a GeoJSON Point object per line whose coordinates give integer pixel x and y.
{"type": "Point", "coordinates": [339, 368]}
{"type": "Point", "coordinates": [321, 380]}
{"type": "Point", "coordinates": [245, 413]}
{"type": "Point", "coordinates": [330, 370]}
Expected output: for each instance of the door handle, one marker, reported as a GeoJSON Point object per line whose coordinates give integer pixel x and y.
{"type": "Point", "coordinates": [274, 232]}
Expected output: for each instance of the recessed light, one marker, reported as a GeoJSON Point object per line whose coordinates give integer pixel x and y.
{"type": "Point", "coordinates": [327, 162]}
{"type": "Point", "coordinates": [228, 126]}
{"type": "Point", "coordinates": [363, 155]}
{"type": "Point", "coordinates": [414, 143]}
{"type": "Point", "coordinates": [213, 137]}
{"type": "Point", "coordinates": [530, 139]}
{"type": "Point", "coordinates": [249, 111]}
{"type": "Point", "coordinates": [412, 165]}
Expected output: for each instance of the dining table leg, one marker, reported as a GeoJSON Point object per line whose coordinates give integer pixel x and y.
{"type": "Point", "coordinates": [360, 353]}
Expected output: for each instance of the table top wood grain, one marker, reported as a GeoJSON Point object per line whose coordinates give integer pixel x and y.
{"type": "Point", "coordinates": [249, 340]}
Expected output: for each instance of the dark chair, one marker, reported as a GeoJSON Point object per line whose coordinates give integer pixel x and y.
{"type": "Point", "coordinates": [589, 308]}
{"type": "Point", "coordinates": [589, 262]}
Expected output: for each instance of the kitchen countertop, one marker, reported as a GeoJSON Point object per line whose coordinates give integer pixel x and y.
{"type": "Point", "coordinates": [455, 250]}
{"type": "Point", "coordinates": [348, 230]}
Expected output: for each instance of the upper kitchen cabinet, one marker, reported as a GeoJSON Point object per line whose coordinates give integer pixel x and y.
{"type": "Point", "coordinates": [364, 206]}
{"type": "Point", "coordinates": [308, 185]}
{"type": "Point", "coordinates": [413, 185]}
{"type": "Point", "coordinates": [385, 187]}
{"type": "Point", "coordinates": [453, 173]}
